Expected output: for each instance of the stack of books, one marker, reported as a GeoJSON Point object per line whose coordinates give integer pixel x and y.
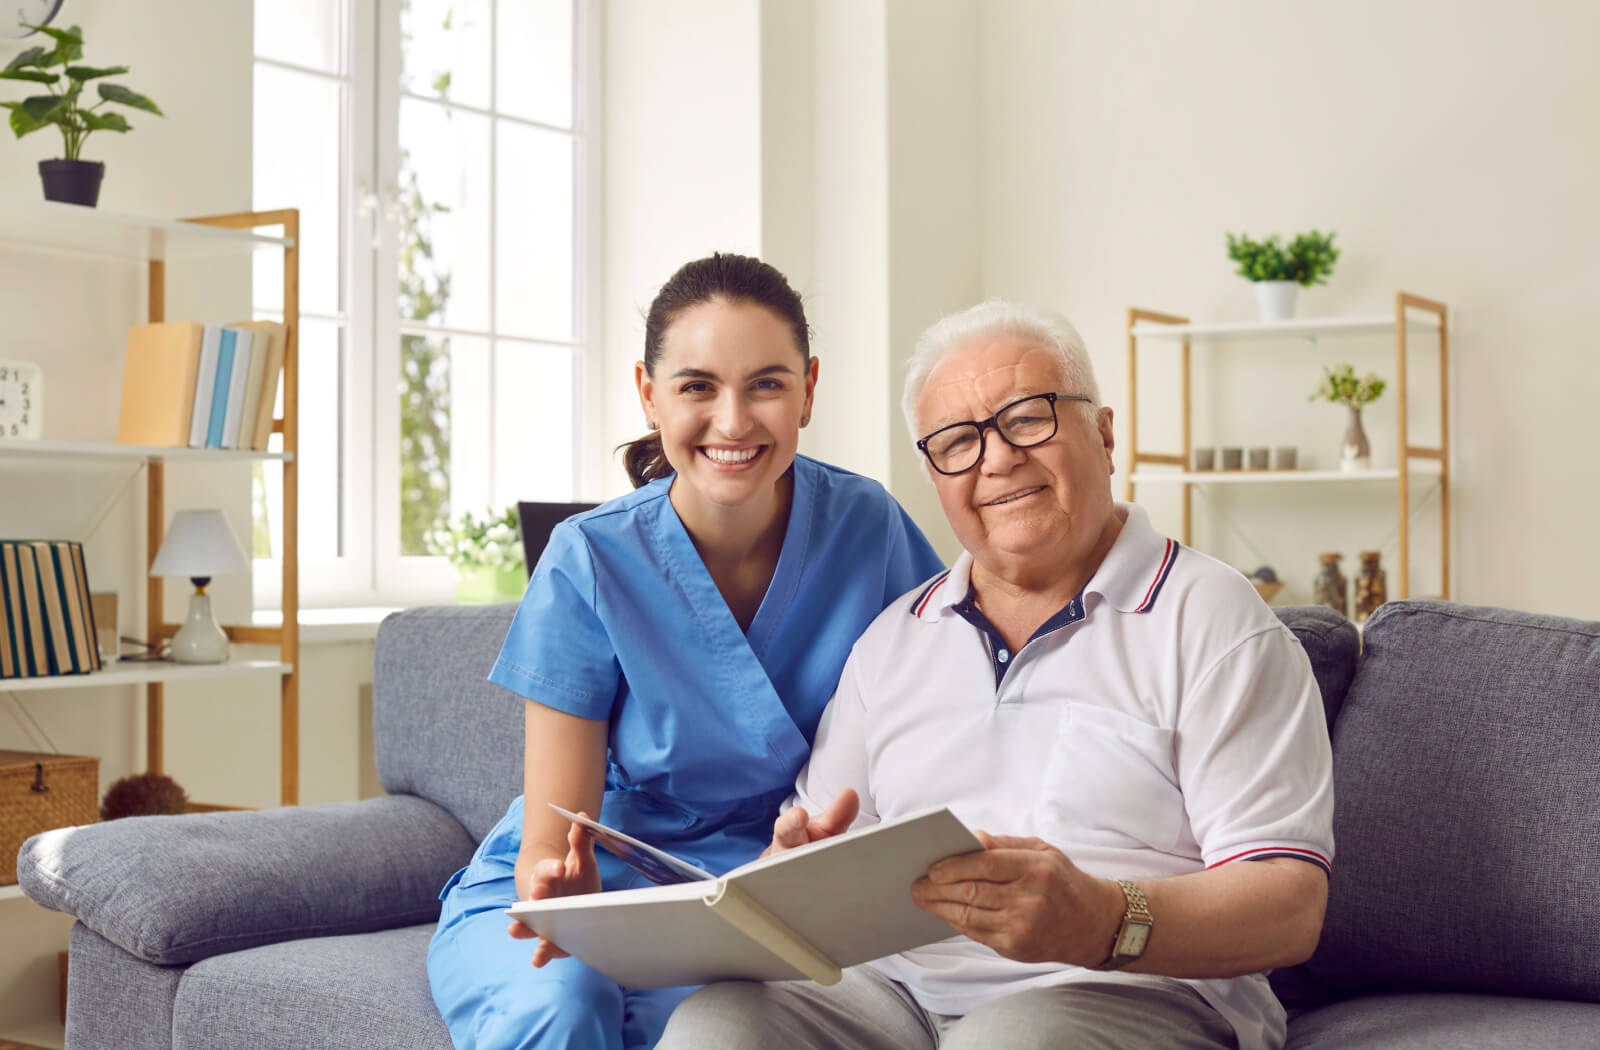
{"type": "Point", "coordinates": [46, 619]}
{"type": "Point", "coordinates": [201, 385]}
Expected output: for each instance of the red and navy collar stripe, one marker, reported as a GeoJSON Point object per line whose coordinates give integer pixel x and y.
{"type": "Point", "coordinates": [920, 602]}
{"type": "Point", "coordinates": [1169, 556]}
{"type": "Point", "coordinates": [1262, 853]}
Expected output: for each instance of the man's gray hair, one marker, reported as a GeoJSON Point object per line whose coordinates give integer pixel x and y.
{"type": "Point", "coordinates": [1048, 329]}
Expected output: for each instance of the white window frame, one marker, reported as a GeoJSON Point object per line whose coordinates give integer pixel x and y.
{"type": "Point", "coordinates": [372, 572]}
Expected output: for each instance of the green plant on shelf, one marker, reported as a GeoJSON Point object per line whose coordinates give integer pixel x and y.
{"type": "Point", "coordinates": [1308, 259]}
{"type": "Point", "coordinates": [1340, 385]}
{"type": "Point", "coordinates": [64, 106]}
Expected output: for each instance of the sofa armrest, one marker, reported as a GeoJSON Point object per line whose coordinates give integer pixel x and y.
{"type": "Point", "coordinates": [174, 890]}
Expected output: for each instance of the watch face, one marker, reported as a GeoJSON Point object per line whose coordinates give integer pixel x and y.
{"type": "Point", "coordinates": [1134, 937]}
{"type": "Point", "coordinates": [17, 15]}
{"type": "Point", "coordinates": [21, 394]}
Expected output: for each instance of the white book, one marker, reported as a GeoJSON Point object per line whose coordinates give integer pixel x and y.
{"type": "Point", "coordinates": [200, 421]}
{"type": "Point", "coordinates": [802, 914]}
{"type": "Point", "coordinates": [244, 341]}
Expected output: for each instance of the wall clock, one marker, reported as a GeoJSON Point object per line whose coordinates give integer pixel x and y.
{"type": "Point", "coordinates": [21, 400]}
{"type": "Point", "coordinates": [17, 15]}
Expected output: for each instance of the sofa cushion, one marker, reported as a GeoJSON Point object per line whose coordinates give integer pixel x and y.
{"type": "Point", "coordinates": [1332, 644]}
{"type": "Point", "coordinates": [324, 993]}
{"type": "Point", "coordinates": [1465, 771]}
{"type": "Point", "coordinates": [1446, 1022]}
{"type": "Point", "coordinates": [114, 999]}
{"type": "Point", "coordinates": [441, 729]}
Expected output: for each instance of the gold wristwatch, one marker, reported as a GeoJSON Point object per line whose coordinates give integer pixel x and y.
{"type": "Point", "coordinates": [1134, 933]}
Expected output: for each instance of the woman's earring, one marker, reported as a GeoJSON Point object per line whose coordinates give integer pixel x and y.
{"type": "Point", "coordinates": [804, 420]}
{"type": "Point", "coordinates": [653, 425]}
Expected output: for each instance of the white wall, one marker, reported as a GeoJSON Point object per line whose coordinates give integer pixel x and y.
{"type": "Point", "coordinates": [1454, 149]}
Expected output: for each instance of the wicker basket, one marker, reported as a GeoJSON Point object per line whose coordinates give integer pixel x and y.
{"type": "Point", "coordinates": [39, 792]}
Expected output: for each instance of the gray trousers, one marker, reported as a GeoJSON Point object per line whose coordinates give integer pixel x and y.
{"type": "Point", "coordinates": [868, 1011]}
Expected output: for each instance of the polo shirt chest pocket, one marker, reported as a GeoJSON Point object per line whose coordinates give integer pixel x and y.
{"type": "Point", "coordinates": [1110, 781]}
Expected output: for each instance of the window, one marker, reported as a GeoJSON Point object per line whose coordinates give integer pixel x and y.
{"type": "Point", "coordinates": [441, 155]}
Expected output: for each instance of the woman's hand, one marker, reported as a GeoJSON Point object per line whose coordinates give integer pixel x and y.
{"type": "Point", "coordinates": [796, 827]}
{"type": "Point", "coordinates": [553, 877]}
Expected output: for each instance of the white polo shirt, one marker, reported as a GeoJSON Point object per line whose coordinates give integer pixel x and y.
{"type": "Point", "coordinates": [1164, 722]}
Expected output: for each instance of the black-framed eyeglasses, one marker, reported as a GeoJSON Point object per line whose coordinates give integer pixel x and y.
{"type": "Point", "coordinates": [1025, 422]}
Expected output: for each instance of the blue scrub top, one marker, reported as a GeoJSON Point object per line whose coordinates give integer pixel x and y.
{"type": "Point", "coordinates": [709, 724]}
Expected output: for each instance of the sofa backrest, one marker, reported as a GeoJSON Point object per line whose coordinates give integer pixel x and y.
{"type": "Point", "coordinates": [1467, 808]}
{"type": "Point", "coordinates": [441, 729]}
{"type": "Point", "coordinates": [1332, 643]}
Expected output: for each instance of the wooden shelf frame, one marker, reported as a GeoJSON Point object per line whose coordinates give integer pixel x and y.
{"type": "Point", "coordinates": [287, 636]}
{"type": "Point", "coordinates": [1427, 461]}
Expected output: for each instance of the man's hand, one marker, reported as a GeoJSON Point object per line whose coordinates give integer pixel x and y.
{"type": "Point", "coordinates": [796, 827]}
{"type": "Point", "coordinates": [576, 874]}
{"type": "Point", "coordinates": [1026, 900]}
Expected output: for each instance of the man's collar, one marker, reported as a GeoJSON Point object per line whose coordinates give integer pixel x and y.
{"type": "Point", "coordinates": [1130, 577]}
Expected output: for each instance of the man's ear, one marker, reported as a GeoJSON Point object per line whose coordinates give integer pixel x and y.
{"type": "Point", "coordinates": [1103, 422]}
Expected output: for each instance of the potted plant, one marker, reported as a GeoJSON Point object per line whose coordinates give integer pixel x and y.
{"type": "Point", "coordinates": [70, 179]}
{"type": "Point", "coordinates": [1278, 272]}
{"type": "Point", "coordinates": [486, 553]}
{"type": "Point", "coordinates": [1341, 386]}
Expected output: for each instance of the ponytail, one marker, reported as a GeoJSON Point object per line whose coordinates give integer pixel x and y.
{"type": "Point", "coordinates": [644, 459]}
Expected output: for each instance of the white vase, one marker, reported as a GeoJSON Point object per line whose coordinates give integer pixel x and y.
{"type": "Point", "coordinates": [1275, 299]}
{"type": "Point", "coordinates": [1356, 452]}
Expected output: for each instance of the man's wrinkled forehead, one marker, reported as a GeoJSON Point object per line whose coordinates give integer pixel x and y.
{"type": "Point", "coordinates": [983, 375]}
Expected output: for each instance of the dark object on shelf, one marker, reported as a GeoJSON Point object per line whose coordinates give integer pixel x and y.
{"type": "Point", "coordinates": [40, 791]}
{"type": "Point", "coordinates": [1266, 583]}
{"type": "Point", "coordinates": [1329, 586]}
{"type": "Point", "coordinates": [1372, 586]}
{"type": "Point", "coordinates": [536, 521]}
{"type": "Point", "coordinates": [143, 795]}
{"type": "Point", "coordinates": [72, 181]}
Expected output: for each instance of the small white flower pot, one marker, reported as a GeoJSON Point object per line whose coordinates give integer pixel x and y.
{"type": "Point", "coordinates": [1275, 299]}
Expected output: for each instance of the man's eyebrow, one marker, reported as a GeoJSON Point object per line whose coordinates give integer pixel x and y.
{"type": "Point", "coordinates": [700, 373]}
{"type": "Point", "coordinates": [1011, 398]}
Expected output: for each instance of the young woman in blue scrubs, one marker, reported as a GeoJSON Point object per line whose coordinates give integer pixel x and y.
{"type": "Point", "coordinates": [676, 647]}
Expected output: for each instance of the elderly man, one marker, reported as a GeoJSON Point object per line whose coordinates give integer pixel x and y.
{"type": "Point", "coordinates": [1142, 739]}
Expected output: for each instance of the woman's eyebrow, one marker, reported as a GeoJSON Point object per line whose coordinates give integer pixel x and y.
{"type": "Point", "coordinates": [700, 373]}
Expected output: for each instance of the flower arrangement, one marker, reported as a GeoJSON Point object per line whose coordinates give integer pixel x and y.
{"type": "Point", "coordinates": [1340, 385]}
{"type": "Point", "coordinates": [1307, 261]}
{"type": "Point", "coordinates": [470, 542]}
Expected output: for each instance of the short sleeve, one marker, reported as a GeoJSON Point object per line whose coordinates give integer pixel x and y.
{"type": "Point", "coordinates": [558, 651]}
{"type": "Point", "coordinates": [1253, 756]}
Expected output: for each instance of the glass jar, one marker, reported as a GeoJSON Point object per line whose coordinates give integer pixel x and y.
{"type": "Point", "coordinates": [1329, 586]}
{"type": "Point", "coordinates": [1372, 586]}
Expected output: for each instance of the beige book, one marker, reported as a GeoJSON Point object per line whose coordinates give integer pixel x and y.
{"type": "Point", "coordinates": [13, 598]}
{"type": "Point", "coordinates": [28, 576]}
{"type": "Point", "coordinates": [257, 427]}
{"type": "Point", "coordinates": [8, 669]}
{"type": "Point", "coordinates": [72, 595]}
{"type": "Point", "coordinates": [158, 381]}
{"type": "Point", "coordinates": [55, 616]}
{"type": "Point", "coordinates": [90, 617]}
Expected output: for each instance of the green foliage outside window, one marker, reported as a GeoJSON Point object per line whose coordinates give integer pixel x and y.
{"type": "Point", "coordinates": [1308, 260]}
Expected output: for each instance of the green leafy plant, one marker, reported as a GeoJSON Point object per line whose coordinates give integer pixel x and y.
{"type": "Point", "coordinates": [64, 106]}
{"type": "Point", "coordinates": [1308, 260]}
{"type": "Point", "coordinates": [1340, 385]}
{"type": "Point", "coordinates": [470, 542]}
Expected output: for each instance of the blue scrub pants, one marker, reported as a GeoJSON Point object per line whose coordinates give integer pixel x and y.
{"type": "Point", "coordinates": [492, 998]}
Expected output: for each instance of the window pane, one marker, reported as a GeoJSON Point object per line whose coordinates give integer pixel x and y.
{"type": "Point", "coordinates": [321, 457]}
{"type": "Point", "coordinates": [535, 423]}
{"type": "Point", "coordinates": [425, 438]}
{"type": "Point", "coordinates": [301, 32]}
{"type": "Point", "coordinates": [444, 207]}
{"type": "Point", "coordinates": [534, 232]}
{"type": "Point", "coordinates": [296, 164]}
{"type": "Point", "coordinates": [445, 50]}
{"type": "Point", "coordinates": [533, 60]}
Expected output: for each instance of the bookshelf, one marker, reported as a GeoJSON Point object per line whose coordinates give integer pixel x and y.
{"type": "Point", "coordinates": [43, 227]}
{"type": "Point", "coordinates": [1413, 315]}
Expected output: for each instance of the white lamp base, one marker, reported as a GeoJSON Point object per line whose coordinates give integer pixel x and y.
{"type": "Point", "coordinates": [200, 640]}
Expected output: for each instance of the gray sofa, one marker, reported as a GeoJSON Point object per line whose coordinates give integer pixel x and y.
{"type": "Point", "coordinates": [1465, 907]}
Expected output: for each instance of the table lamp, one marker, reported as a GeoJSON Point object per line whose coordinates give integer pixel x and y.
{"type": "Point", "coordinates": [199, 544]}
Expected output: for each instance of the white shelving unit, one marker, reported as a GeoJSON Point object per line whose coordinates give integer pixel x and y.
{"type": "Point", "coordinates": [1412, 315]}
{"type": "Point", "coordinates": [35, 227]}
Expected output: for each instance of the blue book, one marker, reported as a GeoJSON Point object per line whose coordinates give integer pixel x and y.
{"type": "Point", "coordinates": [219, 391]}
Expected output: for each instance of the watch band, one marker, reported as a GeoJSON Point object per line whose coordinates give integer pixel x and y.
{"type": "Point", "coordinates": [1133, 934]}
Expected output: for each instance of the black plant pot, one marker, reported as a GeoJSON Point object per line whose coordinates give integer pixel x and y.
{"type": "Point", "coordinates": [72, 181]}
